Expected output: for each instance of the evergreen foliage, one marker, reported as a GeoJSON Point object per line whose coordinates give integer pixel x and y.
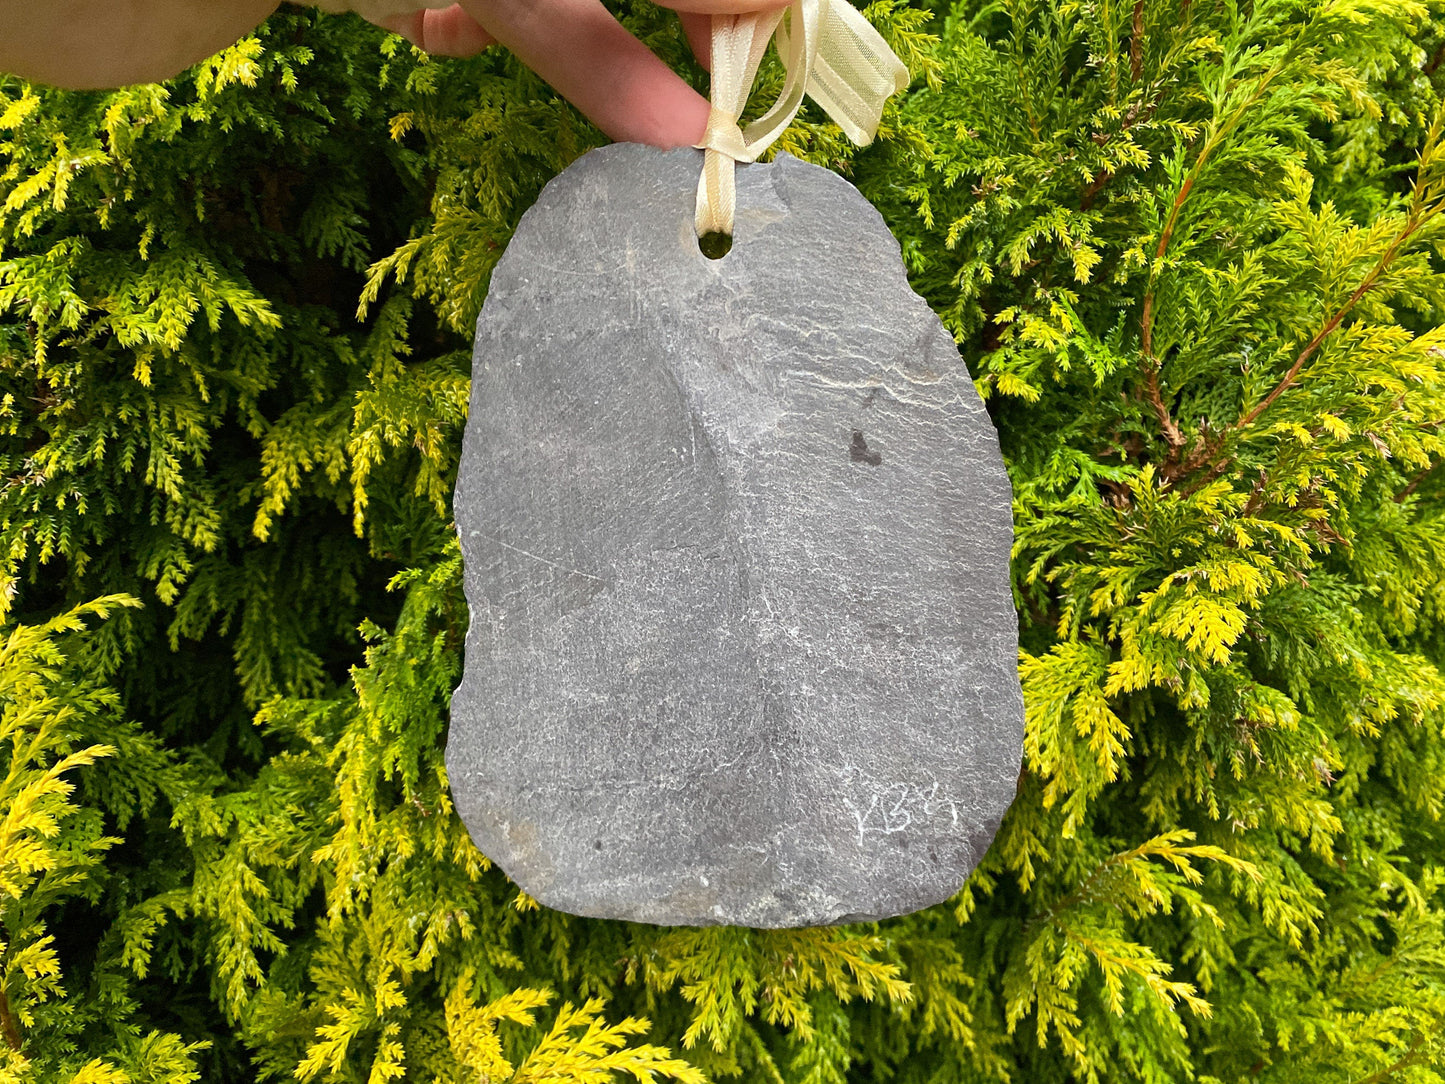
{"type": "Point", "coordinates": [1193, 256]}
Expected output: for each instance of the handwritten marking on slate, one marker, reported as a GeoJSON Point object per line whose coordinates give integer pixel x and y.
{"type": "Point", "coordinates": [898, 806]}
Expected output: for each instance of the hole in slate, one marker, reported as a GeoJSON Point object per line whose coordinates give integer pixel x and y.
{"type": "Point", "coordinates": [715, 245]}
{"type": "Point", "coordinates": [859, 452]}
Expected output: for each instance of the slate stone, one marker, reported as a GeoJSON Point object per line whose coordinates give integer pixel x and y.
{"type": "Point", "coordinates": [736, 538]}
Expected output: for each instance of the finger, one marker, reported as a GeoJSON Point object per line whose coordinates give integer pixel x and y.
{"type": "Point", "coordinates": [449, 32]}
{"type": "Point", "coordinates": [723, 7]}
{"type": "Point", "coordinates": [696, 17]}
{"type": "Point", "coordinates": [588, 58]}
{"type": "Point", "coordinates": [698, 28]}
{"type": "Point", "coordinates": [452, 32]}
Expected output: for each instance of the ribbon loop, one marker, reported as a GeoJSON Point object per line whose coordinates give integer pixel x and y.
{"type": "Point", "coordinates": [829, 51]}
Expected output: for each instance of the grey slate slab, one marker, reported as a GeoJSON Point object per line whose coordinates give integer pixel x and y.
{"type": "Point", "coordinates": [736, 534]}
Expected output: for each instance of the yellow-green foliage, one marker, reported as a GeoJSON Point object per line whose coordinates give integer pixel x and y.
{"type": "Point", "coordinates": [52, 853]}
{"type": "Point", "coordinates": [1192, 254]}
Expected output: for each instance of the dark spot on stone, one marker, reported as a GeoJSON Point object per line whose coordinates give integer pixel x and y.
{"type": "Point", "coordinates": [859, 452]}
{"type": "Point", "coordinates": [597, 845]}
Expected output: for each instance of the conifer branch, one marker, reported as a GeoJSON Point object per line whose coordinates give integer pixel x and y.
{"type": "Point", "coordinates": [1425, 205]}
{"type": "Point", "coordinates": [1403, 1062]}
{"type": "Point", "coordinates": [1212, 143]}
{"type": "Point", "coordinates": [1167, 426]}
{"type": "Point", "coordinates": [1366, 285]}
{"type": "Point", "coordinates": [1137, 114]}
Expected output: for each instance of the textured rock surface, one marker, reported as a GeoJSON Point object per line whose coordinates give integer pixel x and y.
{"type": "Point", "coordinates": [742, 647]}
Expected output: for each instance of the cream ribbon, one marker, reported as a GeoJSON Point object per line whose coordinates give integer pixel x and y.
{"type": "Point", "coordinates": [828, 50]}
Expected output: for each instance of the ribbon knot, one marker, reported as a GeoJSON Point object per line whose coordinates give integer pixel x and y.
{"type": "Point", "coordinates": [829, 51]}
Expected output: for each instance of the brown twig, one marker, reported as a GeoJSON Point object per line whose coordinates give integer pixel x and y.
{"type": "Point", "coordinates": [1086, 202]}
{"type": "Point", "coordinates": [1216, 468]}
{"type": "Point", "coordinates": [1405, 1060]}
{"type": "Point", "coordinates": [1369, 283]}
{"type": "Point", "coordinates": [1299, 362]}
{"type": "Point", "coordinates": [1167, 426]}
{"type": "Point", "coordinates": [1146, 329]}
{"type": "Point", "coordinates": [8, 1025]}
{"type": "Point", "coordinates": [1155, 399]}
{"type": "Point", "coordinates": [1424, 207]}
{"type": "Point", "coordinates": [1434, 62]}
{"type": "Point", "coordinates": [1401, 496]}
{"type": "Point", "coordinates": [1136, 41]}
{"type": "Point", "coordinates": [1138, 114]}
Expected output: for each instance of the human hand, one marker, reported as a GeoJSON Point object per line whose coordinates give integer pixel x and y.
{"type": "Point", "coordinates": [586, 56]}
{"type": "Point", "coordinates": [576, 45]}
